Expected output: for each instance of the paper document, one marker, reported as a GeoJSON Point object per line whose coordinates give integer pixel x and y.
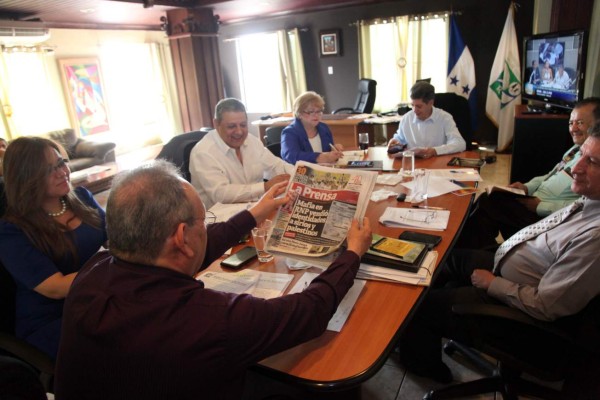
{"type": "Point", "coordinates": [506, 189]}
{"type": "Point", "coordinates": [457, 174]}
{"type": "Point", "coordinates": [435, 220]}
{"type": "Point", "coordinates": [422, 277]}
{"type": "Point", "coordinates": [225, 211]}
{"type": "Point", "coordinates": [383, 120]}
{"type": "Point", "coordinates": [344, 309]}
{"type": "Point", "coordinates": [389, 179]}
{"type": "Point", "coordinates": [350, 155]}
{"type": "Point", "coordinates": [266, 285]}
{"type": "Point", "coordinates": [436, 186]}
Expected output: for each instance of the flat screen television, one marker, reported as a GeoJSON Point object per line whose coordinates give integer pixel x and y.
{"type": "Point", "coordinates": [554, 69]}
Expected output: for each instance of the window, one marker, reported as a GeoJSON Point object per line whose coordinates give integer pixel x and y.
{"type": "Point", "coordinates": [271, 82]}
{"type": "Point", "coordinates": [260, 77]}
{"type": "Point", "coordinates": [135, 94]}
{"type": "Point", "coordinates": [399, 51]}
{"type": "Point", "coordinates": [30, 93]}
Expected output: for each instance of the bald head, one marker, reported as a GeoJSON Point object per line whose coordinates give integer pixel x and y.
{"type": "Point", "coordinates": [145, 205]}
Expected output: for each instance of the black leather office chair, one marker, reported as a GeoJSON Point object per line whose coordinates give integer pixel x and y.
{"type": "Point", "coordinates": [178, 150]}
{"type": "Point", "coordinates": [364, 101]}
{"type": "Point", "coordinates": [275, 148]}
{"type": "Point", "coordinates": [13, 348]}
{"type": "Point", "coordinates": [567, 349]}
{"type": "Point", "coordinates": [459, 108]}
{"type": "Point", "coordinates": [273, 135]}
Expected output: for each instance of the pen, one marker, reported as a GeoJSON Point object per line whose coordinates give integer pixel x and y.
{"type": "Point", "coordinates": [428, 207]}
{"type": "Point", "coordinates": [334, 149]}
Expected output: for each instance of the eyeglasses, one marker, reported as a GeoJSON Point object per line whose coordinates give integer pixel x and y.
{"type": "Point", "coordinates": [210, 218]}
{"type": "Point", "coordinates": [314, 112]}
{"type": "Point", "coordinates": [579, 123]}
{"type": "Point", "coordinates": [60, 165]}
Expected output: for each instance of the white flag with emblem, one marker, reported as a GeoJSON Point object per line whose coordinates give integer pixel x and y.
{"type": "Point", "coordinates": [504, 90]}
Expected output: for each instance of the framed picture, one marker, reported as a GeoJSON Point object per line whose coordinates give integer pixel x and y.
{"type": "Point", "coordinates": [331, 42]}
{"type": "Point", "coordinates": [82, 82]}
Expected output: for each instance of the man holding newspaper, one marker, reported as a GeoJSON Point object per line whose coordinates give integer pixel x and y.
{"type": "Point", "coordinates": [183, 341]}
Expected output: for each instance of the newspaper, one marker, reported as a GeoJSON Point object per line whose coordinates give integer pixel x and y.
{"type": "Point", "coordinates": [316, 222]}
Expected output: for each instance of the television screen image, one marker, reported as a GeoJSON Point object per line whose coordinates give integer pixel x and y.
{"type": "Point", "coordinates": [553, 70]}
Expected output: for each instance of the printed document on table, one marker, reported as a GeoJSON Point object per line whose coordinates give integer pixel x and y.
{"type": "Point", "coordinates": [421, 278]}
{"type": "Point", "coordinates": [415, 218]}
{"type": "Point", "coordinates": [336, 323]}
{"type": "Point", "coordinates": [457, 174]}
{"type": "Point", "coordinates": [436, 186]}
{"type": "Point", "coordinates": [266, 285]}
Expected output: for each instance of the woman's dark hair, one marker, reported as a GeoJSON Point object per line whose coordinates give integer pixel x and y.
{"type": "Point", "coordinates": [25, 180]}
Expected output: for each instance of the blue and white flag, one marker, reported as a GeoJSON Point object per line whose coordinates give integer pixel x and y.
{"type": "Point", "coordinates": [461, 70]}
{"type": "Point", "coordinates": [504, 89]}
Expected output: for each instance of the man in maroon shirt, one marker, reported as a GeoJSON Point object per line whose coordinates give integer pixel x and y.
{"type": "Point", "coordinates": [137, 325]}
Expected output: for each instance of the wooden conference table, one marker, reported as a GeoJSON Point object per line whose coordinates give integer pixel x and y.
{"type": "Point", "coordinates": [341, 361]}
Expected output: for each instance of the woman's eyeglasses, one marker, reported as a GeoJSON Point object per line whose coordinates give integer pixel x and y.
{"type": "Point", "coordinates": [60, 165]}
{"type": "Point", "coordinates": [313, 112]}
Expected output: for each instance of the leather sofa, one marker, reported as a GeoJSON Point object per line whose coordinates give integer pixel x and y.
{"type": "Point", "coordinates": [83, 153]}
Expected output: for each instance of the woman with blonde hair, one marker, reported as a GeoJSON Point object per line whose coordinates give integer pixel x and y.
{"type": "Point", "coordinates": [307, 138]}
{"type": "Point", "coordinates": [48, 232]}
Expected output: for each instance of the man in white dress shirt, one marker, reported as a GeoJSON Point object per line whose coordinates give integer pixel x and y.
{"type": "Point", "coordinates": [427, 130]}
{"type": "Point", "coordinates": [230, 166]}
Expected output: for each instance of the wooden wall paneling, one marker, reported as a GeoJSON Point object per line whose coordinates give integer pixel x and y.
{"type": "Point", "coordinates": [571, 14]}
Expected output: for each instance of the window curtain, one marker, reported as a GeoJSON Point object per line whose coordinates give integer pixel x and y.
{"type": "Point", "coordinates": [30, 85]}
{"type": "Point", "coordinates": [161, 57]}
{"type": "Point", "coordinates": [293, 76]}
{"type": "Point", "coordinates": [592, 83]}
{"type": "Point", "coordinates": [397, 51]}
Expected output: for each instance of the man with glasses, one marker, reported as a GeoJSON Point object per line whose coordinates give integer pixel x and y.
{"type": "Point", "coordinates": [137, 325]}
{"type": "Point", "coordinates": [427, 130]}
{"type": "Point", "coordinates": [230, 166]}
{"type": "Point", "coordinates": [507, 213]}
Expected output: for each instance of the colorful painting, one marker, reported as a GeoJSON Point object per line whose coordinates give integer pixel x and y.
{"type": "Point", "coordinates": [83, 86]}
{"type": "Point", "coordinates": [330, 43]}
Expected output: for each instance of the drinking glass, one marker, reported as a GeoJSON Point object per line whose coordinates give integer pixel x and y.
{"type": "Point", "coordinates": [363, 141]}
{"type": "Point", "coordinates": [408, 163]}
{"type": "Point", "coordinates": [421, 180]}
{"type": "Point", "coordinates": [260, 235]}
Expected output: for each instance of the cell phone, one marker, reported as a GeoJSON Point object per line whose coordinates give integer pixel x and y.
{"type": "Point", "coordinates": [239, 259]}
{"type": "Point", "coordinates": [430, 240]}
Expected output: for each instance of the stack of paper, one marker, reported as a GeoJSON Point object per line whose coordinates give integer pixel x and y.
{"type": "Point", "coordinates": [436, 220]}
{"type": "Point", "coordinates": [266, 285]}
{"type": "Point", "coordinates": [422, 277]}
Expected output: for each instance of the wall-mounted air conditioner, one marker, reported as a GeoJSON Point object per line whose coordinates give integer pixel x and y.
{"type": "Point", "coordinates": [12, 36]}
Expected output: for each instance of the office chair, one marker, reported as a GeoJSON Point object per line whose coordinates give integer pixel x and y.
{"type": "Point", "coordinates": [459, 108]}
{"type": "Point", "coordinates": [567, 349]}
{"type": "Point", "coordinates": [15, 351]}
{"type": "Point", "coordinates": [275, 148]}
{"type": "Point", "coordinates": [273, 135]}
{"type": "Point", "coordinates": [365, 99]}
{"type": "Point", "coordinates": [178, 149]}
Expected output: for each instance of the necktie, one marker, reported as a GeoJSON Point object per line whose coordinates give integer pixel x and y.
{"type": "Point", "coordinates": [531, 231]}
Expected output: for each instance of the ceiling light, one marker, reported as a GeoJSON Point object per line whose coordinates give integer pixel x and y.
{"type": "Point", "coordinates": [87, 10]}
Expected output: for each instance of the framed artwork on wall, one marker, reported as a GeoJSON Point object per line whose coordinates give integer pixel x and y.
{"type": "Point", "coordinates": [331, 42]}
{"type": "Point", "coordinates": [82, 82]}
